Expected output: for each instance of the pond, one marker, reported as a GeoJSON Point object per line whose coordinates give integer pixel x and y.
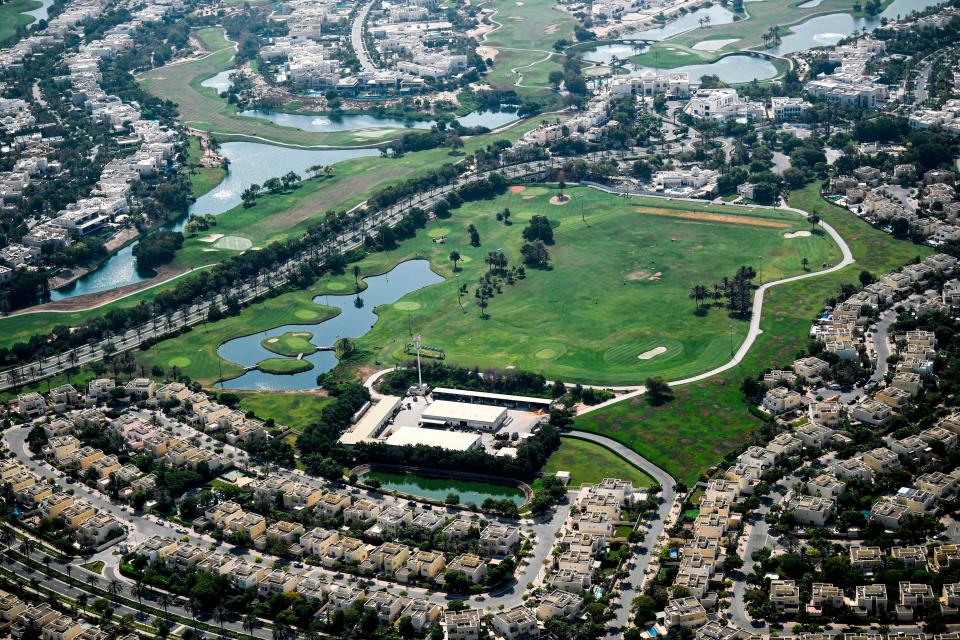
{"type": "Point", "coordinates": [733, 69]}
{"type": "Point", "coordinates": [250, 162]}
{"type": "Point", "coordinates": [352, 322]}
{"type": "Point", "coordinates": [828, 30]}
{"type": "Point", "coordinates": [333, 122]}
{"type": "Point", "coordinates": [716, 15]}
{"type": "Point", "coordinates": [470, 492]}
{"type": "Point", "coordinates": [221, 82]}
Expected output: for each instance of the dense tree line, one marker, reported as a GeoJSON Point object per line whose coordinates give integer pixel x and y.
{"type": "Point", "coordinates": [157, 248]}
{"type": "Point", "coordinates": [440, 374]}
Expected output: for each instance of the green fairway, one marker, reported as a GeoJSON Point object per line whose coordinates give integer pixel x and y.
{"type": "Point", "coordinates": [12, 16]}
{"type": "Point", "coordinates": [589, 463]}
{"type": "Point", "coordinates": [290, 344]}
{"type": "Point", "coordinates": [618, 289]}
{"type": "Point", "coordinates": [746, 33]}
{"type": "Point", "coordinates": [284, 366]}
{"type": "Point", "coordinates": [617, 293]}
{"type": "Point", "coordinates": [708, 419]}
{"type": "Point", "coordinates": [526, 36]}
{"type": "Point", "coordinates": [202, 108]}
{"type": "Point", "coordinates": [294, 410]}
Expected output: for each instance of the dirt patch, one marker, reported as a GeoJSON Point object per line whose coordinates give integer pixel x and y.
{"type": "Point", "coordinates": [655, 276]}
{"type": "Point", "coordinates": [517, 189]}
{"type": "Point", "coordinates": [213, 237]}
{"type": "Point", "coordinates": [487, 52]}
{"type": "Point", "coordinates": [712, 217]}
{"type": "Point", "coordinates": [637, 275]}
{"type": "Point", "coordinates": [557, 201]}
{"type": "Point", "coordinates": [528, 197]}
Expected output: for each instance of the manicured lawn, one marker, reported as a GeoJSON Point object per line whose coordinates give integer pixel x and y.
{"type": "Point", "coordinates": [527, 35]}
{"type": "Point", "coordinates": [709, 419]}
{"type": "Point", "coordinates": [284, 366]}
{"type": "Point", "coordinates": [290, 344]}
{"type": "Point", "coordinates": [195, 353]}
{"type": "Point", "coordinates": [95, 566]}
{"type": "Point", "coordinates": [202, 179]}
{"type": "Point", "coordinates": [639, 256]}
{"type": "Point", "coordinates": [12, 16]}
{"type": "Point", "coordinates": [589, 463]}
{"type": "Point", "coordinates": [295, 410]}
{"type": "Point", "coordinates": [618, 288]}
{"type": "Point", "coordinates": [747, 33]}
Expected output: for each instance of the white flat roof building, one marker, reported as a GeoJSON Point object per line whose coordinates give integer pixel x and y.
{"type": "Point", "coordinates": [371, 424]}
{"type": "Point", "coordinates": [462, 414]}
{"type": "Point", "coordinates": [453, 440]}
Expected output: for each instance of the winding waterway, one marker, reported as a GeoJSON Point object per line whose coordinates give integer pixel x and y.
{"type": "Point", "coordinates": [351, 322]}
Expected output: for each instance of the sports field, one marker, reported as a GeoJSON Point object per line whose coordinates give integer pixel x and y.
{"type": "Point", "coordinates": [710, 418]}
{"type": "Point", "coordinates": [201, 107]}
{"type": "Point", "coordinates": [526, 36]}
{"type": "Point", "coordinates": [614, 308]}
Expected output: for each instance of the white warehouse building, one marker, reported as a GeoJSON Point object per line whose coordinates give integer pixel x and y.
{"type": "Point", "coordinates": [444, 413]}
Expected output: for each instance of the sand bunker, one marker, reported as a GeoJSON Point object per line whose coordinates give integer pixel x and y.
{"type": "Point", "coordinates": [552, 29]}
{"type": "Point", "coordinates": [517, 189]}
{"type": "Point", "coordinates": [487, 52]}
{"type": "Point", "coordinates": [213, 237]}
{"type": "Point", "coordinates": [713, 45]}
{"type": "Point", "coordinates": [653, 353]}
{"type": "Point", "coordinates": [712, 217]}
{"type": "Point", "coordinates": [797, 234]}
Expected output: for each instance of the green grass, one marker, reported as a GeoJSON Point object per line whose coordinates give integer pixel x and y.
{"type": "Point", "coordinates": [202, 108]}
{"type": "Point", "coordinates": [12, 17]}
{"type": "Point", "coordinates": [272, 218]}
{"type": "Point", "coordinates": [618, 286]}
{"type": "Point", "coordinates": [679, 51]}
{"type": "Point", "coordinates": [527, 35]}
{"type": "Point", "coordinates": [706, 420]}
{"type": "Point", "coordinates": [551, 322]}
{"type": "Point", "coordinates": [202, 179]}
{"type": "Point", "coordinates": [96, 566]}
{"type": "Point", "coordinates": [195, 352]}
{"type": "Point", "coordinates": [284, 366]}
{"type": "Point", "coordinates": [589, 463]}
{"type": "Point", "coordinates": [295, 410]}
{"type": "Point", "coordinates": [290, 344]}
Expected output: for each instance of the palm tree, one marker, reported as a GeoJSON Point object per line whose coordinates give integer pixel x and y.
{"type": "Point", "coordinates": [114, 588]}
{"type": "Point", "coordinates": [164, 601]}
{"type": "Point", "coordinates": [92, 582]}
{"type": "Point", "coordinates": [455, 258]}
{"type": "Point", "coordinates": [138, 590]}
{"type": "Point", "coordinates": [698, 294]}
{"type": "Point", "coordinates": [814, 220]}
{"type": "Point", "coordinates": [26, 546]}
{"type": "Point", "coordinates": [806, 264]}
{"type": "Point", "coordinates": [220, 615]}
{"type": "Point", "coordinates": [8, 537]}
{"type": "Point", "coordinates": [280, 631]}
{"type": "Point", "coordinates": [250, 623]}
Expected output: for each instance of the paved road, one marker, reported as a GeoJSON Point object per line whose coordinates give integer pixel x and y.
{"type": "Point", "coordinates": [356, 37]}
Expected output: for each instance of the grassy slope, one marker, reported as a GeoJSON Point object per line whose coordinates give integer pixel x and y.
{"type": "Point", "coordinates": [12, 16]}
{"type": "Point", "coordinates": [201, 107]}
{"type": "Point", "coordinates": [202, 179]}
{"type": "Point", "coordinates": [275, 218]}
{"type": "Point", "coordinates": [708, 419]}
{"type": "Point", "coordinates": [748, 33]}
{"type": "Point", "coordinates": [589, 463]}
{"type": "Point", "coordinates": [527, 35]}
{"type": "Point", "coordinates": [589, 337]}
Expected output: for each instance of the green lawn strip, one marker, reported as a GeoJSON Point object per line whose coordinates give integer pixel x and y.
{"type": "Point", "coordinates": [284, 366]}
{"type": "Point", "coordinates": [290, 344]}
{"type": "Point", "coordinates": [589, 463]}
{"type": "Point", "coordinates": [748, 32]}
{"type": "Point", "coordinates": [195, 353]}
{"type": "Point", "coordinates": [12, 17]}
{"type": "Point", "coordinates": [294, 410]}
{"type": "Point", "coordinates": [274, 217]}
{"type": "Point", "coordinates": [96, 566]}
{"type": "Point", "coordinates": [708, 419]}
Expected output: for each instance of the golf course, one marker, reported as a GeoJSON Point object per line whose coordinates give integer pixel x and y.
{"type": "Point", "coordinates": [642, 256]}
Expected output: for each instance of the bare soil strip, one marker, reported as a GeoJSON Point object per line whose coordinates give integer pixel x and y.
{"type": "Point", "coordinates": [713, 217]}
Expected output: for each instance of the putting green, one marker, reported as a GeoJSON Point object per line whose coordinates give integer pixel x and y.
{"type": "Point", "coordinates": [465, 259]}
{"type": "Point", "coordinates": [291, 344]}
{"type": "Point", "coordinates": [536, 191]}
{"type": "Point", "coordinates": [305, 314]}
{"type": "Point", "coordinates": [179, 361]}
{"type": "Point", "coordinates": [550, 353]}
{"type": "Point", "coordinates": [436, 232]}
{"type": "Point", "coordinates": [284, 366]}
{"type": "Point", "coordinates": [407, 306]}
{"type": "Point", "coordinates": [627, 353]}
{"type": "Point", "coordinates": [235, 243]}
{"type": "Point", "coordinates": [336, 286]}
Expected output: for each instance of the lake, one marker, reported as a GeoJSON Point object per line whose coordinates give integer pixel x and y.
{"type": "Point", "coordinates": [351, 322]}
{"type": "Point", "coordinates": [735, 69]}
{"type": "Point", "coordinates": [41, 12]}
{"type": "Point", "coordinates": [221, 82]}
{"type": "Point", "coordinates": [333, 122]}
{"type": "Point", "coordinates": [717, 15]}
{"type": "Point", "coordinates": [470, 492]}
{"type": "Point", "coordinates": [250, 162]}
